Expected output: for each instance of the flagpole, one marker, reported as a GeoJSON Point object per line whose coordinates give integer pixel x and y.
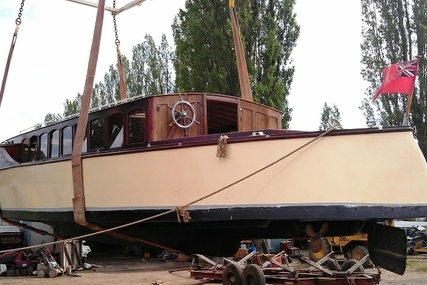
{"type": "Point", "coordinates": [408, 107]}
{"type": "Point", "coordinates": [409, 102]}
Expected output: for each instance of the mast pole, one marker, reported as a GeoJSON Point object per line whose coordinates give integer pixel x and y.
{"type": "Point", "coordinates": [242, 69]}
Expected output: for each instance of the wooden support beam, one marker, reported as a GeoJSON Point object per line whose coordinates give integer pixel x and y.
{"type": "Point", "coordinates": [110, 9]}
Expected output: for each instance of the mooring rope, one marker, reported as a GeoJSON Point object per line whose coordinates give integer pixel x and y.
{"type": "Point", "coordinates": [221, 151]}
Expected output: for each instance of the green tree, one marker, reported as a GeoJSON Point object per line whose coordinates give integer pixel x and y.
{"type": "Point", "coordinates": [150, 72]}
{"type": "Point", "coordinates": [52, 118]}
{"type": "Point", "coordinates": [329, 113]}
{"type": "Point", "coordinates": [205, 59]}
{"type": "Point", "coordinates": [72, 107]}
{"type": "Point", "coordinates": [151, 69]}
{"type": "Point", "coordinates": [394, 31]}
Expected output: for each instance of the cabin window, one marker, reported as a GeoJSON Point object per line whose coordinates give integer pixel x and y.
{"type": "Point", "coordinates": [136, 127]}
{"type": "Point", "coordinates": [54, 144]}
{"type": "Point", "coordinates": [43, 147]}
{"type": "Point", "coordinates": [33, 148]}
{"type": "Point", "coordinates": [96, 134]}
{"type": "Point", "coordinates": [115, 131]}
{"type": "Point", "coordinates": [67, 140]}
{"type": "Point", "coordinates": [25, 154]}
{"type": "Point", "coordinates": [84, 145]}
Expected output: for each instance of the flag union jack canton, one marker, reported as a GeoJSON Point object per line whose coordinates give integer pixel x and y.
{"type": "Point", "coordinates": [399, 78]}
{"type": "Point", "coordinates": [407, 69]}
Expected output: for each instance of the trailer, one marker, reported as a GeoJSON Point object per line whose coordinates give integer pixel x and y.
{"type": "Point", "coordinates": [259, 269]}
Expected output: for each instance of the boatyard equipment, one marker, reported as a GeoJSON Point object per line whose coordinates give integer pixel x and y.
{"type": "Point", "coordinates": [18, 262]}
{"type": "Point", "coordinates": [243, 272]}
{"type": "Point", "coordinates": [48, 266]}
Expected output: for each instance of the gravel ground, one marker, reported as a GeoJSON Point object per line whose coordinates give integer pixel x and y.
{"type": "Point", "coordinates": [124, 269]}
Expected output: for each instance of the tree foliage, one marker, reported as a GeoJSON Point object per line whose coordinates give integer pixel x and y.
{"type": "Point", "coordinates": [205, 59]}
{"type": "Point", "coordinates": [52, 118]}
{"type": "Point", "coordinates": [150, 72]}
{"type": "Point", "coordinates": [394, 31]}
{"type": "Point", "coordinates": [151, 68]}
{"type": "Point", "coordinates": [329, 113]}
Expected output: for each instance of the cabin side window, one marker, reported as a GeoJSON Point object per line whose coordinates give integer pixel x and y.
{"type": "Point", "coordinates": [33, 148]}
{"type": "Point", "coordinates": [54, 144]}
{"type": "Point", "coordinates": [115, 131]}
{"type": "Point", "coordinates": [25, 150]}
{"type": "Point", "coordinates": [136, 127]}
{"type": "Point", "coordinates": [97, 134]}
{"type": "Point", "coordinates": [43, 147]}
{"type": "Point", "coordinates": [67, 140]}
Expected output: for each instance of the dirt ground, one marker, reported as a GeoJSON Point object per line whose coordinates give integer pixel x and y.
{"type": "Point", "coordinates": [126, 269]}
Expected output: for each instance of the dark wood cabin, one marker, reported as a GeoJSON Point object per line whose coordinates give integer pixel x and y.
{"type": "Point", "coordinates": [141, 121]}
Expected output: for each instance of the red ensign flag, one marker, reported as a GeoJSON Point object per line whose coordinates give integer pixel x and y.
{"type": "Point", "coordinates": [399, 78]}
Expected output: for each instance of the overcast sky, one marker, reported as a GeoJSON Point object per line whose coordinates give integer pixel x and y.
{"type": "Point", "coordinates": [49, 63]}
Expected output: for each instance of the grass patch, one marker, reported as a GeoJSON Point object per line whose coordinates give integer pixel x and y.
{"type": "Point", "coordinates": [416, 265]}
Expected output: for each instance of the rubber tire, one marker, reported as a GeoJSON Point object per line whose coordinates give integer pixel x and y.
{"type": "Point", "coordinates": [358, 252]}
{"type": "Point", "coordinates": [253, 275]}
{"type": "Point", "coordinates": [31, 269]}
{"type": "Point", "coordinates": [232, 275]}
{"type": "Point", "coordinates": [349, 263]}
{"type": "Point", "coordinates": [330, 264]}
{"type": "Point", "coordinates": [41, 273]}
{"type": "Point", "coordinates": [52, 273]}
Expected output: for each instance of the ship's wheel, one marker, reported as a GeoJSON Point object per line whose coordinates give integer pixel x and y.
{"type": "Point", "coordinates": [183, 114]}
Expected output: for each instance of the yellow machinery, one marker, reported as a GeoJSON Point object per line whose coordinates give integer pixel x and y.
{"type": "Point", "coordinates": [353, 247]}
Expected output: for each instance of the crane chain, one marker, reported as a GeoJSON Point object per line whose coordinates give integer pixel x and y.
{"type": "Point", "coordinates": [18, 20]}
{"type": "Point", "coordinates": [117, 41]}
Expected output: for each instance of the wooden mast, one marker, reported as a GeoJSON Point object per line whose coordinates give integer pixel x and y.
{"type": "Point", "coordinates": [242, 69]}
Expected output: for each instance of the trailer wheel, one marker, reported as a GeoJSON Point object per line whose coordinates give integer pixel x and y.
{"type": "Point", "coordinates": [349, 263]}
{"type": "Point", "coordinates": [232, 275]}
{"type": "Point", "coordinates": [253, 275]}
{"type": "Point", "coordinates": [358, 253]}
{"type": "Point", "coordinates": [330, 264]}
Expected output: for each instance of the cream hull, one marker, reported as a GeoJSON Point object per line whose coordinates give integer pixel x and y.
{"type": "Point", "coordinates": [358, 169]}
{"type": "Point", "coordinates": [268, 186]}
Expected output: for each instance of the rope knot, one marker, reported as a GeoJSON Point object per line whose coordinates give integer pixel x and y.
{"type": "Point", "coordinates": [182, 212]}
{"type": "Point", "coordinates": [221, 151]}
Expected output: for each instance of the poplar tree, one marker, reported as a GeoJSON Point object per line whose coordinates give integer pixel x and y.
{"type": "Point", "coordinates": [394, 31]}
{"type": "Point", "coordinates": [205, 59]}
{"type": "Point", "coordinates": [329, 113]}
{"type": "Point", "coordinates": [150, 72]}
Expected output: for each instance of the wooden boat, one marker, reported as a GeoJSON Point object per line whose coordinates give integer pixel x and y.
{"type": "Point", "coordinates": [145, 156]}
{"type": "Point", "coordinates": [224, 165]}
